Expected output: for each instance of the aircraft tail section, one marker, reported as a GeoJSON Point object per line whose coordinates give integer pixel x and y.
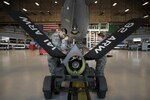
{"type": "Point", "coordinates": [74, 17]}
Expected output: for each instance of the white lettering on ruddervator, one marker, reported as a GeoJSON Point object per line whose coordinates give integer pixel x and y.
{"type": "Point", "coordinates": [125, 28]}
{"type": "Point", "coordinates": [109, 40]}
{"type": "Point", "coordinates": [31, 26]}
{"type": "Point", "coordinates": [25, 20]}
{"type": "Point", "coordinates": [105, 44]}
{"type": "Point", "coordinates": [49, 43]}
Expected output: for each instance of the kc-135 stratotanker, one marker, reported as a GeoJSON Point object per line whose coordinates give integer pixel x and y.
{"type": "Point", "coordinates": [74, 18]}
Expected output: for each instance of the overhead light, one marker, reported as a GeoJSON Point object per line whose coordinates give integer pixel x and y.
{"type": "Point", "coordinates": [7, 3]}
{"type": "Point", "coordinates": [56, 2]}
{"type": "Point", "coordinates": [145, 3]}
{"type": "Point", "coordinates": [24, 9]}
{"type": "Point", "coordinates": [146, 16]}
{"type": "Point", "coordinates": [137, 39]}
{"type": "Point", "coordinates": [126, 10]}
{"type": "Point", "coordinates": [68, 8]}
{"type": "Point", "coordinates": [37, 4]}
{"type": "Point", "coordinates": [49, 12]}
{"type": "Point", "coordinates": [96, 2]}
{"type": "Point", "coordinates": [115, 4]}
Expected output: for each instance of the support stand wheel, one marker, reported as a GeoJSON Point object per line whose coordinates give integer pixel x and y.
{"type": "Point", "coordinates": [47, 87]}
{"type": "Point", "coordinates": [101, 87]}
{"type": "Point", "coordinates": [48, 95]}
{"type": "Point", "coordinates": [101, 94]}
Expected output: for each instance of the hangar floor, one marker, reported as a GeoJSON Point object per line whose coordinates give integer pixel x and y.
{"type": "Point", "coordinates": [22, 73]}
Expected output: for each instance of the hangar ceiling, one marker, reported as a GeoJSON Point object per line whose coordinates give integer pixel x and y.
{"type": "Point", "coordinates": [44, 11]}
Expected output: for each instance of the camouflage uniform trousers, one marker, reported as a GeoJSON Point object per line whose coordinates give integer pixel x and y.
{"type": "Point", "coordinates": [100, 65]}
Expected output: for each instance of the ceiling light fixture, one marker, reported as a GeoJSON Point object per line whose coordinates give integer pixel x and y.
{"type": "Point", "coordinates": [114, 4]}
{"type": "Point", "coordinates": [56, 2]}
{"type": "Point", "coordinates": [146, 16]}
{"type": "Point", "coordinates": [96, 2]}
{"type": "Point", "coordinates": [145, 3]}
{"type": "Point", "coordinates": [7, 3]}
{"type": "Point", "coordinates": [37, 4]}
{"type": "Point", "coordinates": [68, 8]}
{"type": "Point", "coordinates": [49, 12]}
{"type": "Point", "coordinates": [126, 10]}
{"type": "Point", "coordinates": [24, 9]}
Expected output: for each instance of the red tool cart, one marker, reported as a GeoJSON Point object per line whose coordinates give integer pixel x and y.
{"type": "Point", "coordinates": [42, 51]}
{"type": "Point", "coordinates": [32, 47]}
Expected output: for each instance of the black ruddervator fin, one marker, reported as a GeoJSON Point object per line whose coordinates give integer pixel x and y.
{"type": "Point", "coordinates": [115, 38]}
{"type": "Point", "coordinates": [36, 34]}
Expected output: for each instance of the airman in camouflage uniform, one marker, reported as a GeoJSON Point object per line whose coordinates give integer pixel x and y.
{"type": "Point", "coordinates": [59, 39]}
{"type": "Point", "coordinates": [100, 63]}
